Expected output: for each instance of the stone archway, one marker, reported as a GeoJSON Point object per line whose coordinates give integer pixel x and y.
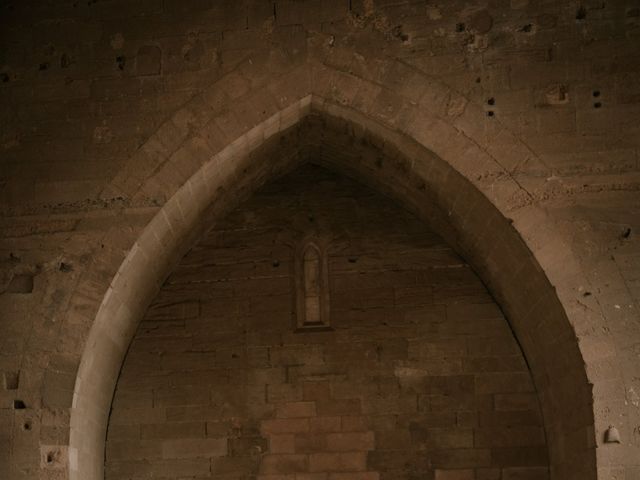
{"type": "Point", "coordinates": [393, 162]}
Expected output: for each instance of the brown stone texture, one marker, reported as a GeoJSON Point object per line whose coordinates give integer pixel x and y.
{"type": "Point", "coordinates": [419, 376]}
{"type": "Point", "coordinates": [130, 128]}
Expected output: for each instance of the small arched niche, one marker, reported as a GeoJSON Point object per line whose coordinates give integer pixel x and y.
{"type": "Point", "coordinates": [312, 287]}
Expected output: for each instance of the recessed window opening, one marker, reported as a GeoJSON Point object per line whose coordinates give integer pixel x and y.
{"type": "Point", "coordinates": [312, 287]}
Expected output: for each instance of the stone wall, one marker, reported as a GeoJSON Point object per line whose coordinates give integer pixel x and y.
{"type": "Point", "coordinates": [85, 83]}
{"type": "Point", "coordinates": [419, 376]}
{"type": "Point", "coordinates": [103, 111]}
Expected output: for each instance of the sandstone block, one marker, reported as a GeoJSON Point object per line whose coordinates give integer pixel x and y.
{"type": "Point", "coordinates": [337, 462]}
{"type": "Point", "coordinates": [191, 448]}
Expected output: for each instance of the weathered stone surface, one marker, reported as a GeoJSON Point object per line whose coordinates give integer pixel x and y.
{"type": "Point", "coordinates": [313, 409]}
{"type": "Point", "coordinates": [106, 110]}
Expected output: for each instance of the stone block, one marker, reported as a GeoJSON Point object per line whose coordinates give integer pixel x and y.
{"type": "Point", "coordinates": [464, 474]}
{"type": "Point", "coordinates": [325, 424]}
{"type": "Point", "coordinates": [519, 457]}
{"type": "Point", "coordinates": [248, 446]}
{"type": "Point", "coordinates": [194, 447]}
{"type": "Point", "coordinates": [462, 458]}
{"type": "Point", "coordinates": [525, 473]}
{"type": "Point", "coordinates": [234, 465]}
{"type": "Point", "coordinates": [511, 436]}
{"type": "Point", "coordinates": [282, 443]}
{"type": "Point", "coordinates": [353, 423]}
{"type": "Point", "coordinates": [431, 437]}
{"type": "Point", "coordinates": [296, 410]}
{"type": "Point", "coordinates": [355, 476]}
{"type": "Point", "coordinates": [516, 401]}
{"type": "Point", "coordinates": [286, 392]}
{"type": "Point", "coordinates": [503, 383]}
{"type": "Point", "coordinates": [347, 442]}
{"type": "Point", "coordinates": [172, 430]}
{"type": "Point", "coordinates": [283, 463]}
{"type": "Point", "coordinates": [338, 407]}
{"type": "Point", "coordinates": [337, 462]}
{"type": "Point", "coordinates": [285, 425]}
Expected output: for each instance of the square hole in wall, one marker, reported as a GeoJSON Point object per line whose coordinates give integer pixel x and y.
{"type": "Point", "coordinates": [11, 380]}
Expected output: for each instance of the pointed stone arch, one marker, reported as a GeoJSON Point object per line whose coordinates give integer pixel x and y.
{"type": "Point", "coordinates": [416, 151]}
